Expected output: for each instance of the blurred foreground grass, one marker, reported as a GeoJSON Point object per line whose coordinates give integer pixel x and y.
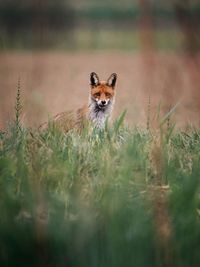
{"type": "Point", "coordinates": [121, 197]}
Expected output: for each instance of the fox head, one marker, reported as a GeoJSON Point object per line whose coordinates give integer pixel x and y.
{"type": "Point", "coordinates": [102, 92]}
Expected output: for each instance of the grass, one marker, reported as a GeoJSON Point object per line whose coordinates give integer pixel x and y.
{"type": "Point", "coordinates": [119, 197]}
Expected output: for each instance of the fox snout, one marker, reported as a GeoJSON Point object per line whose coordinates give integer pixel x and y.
{"type": "Point", "coordinates": [103, 103]}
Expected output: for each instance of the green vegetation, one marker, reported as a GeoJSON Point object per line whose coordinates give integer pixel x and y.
{"type": "Point", "coordinates": [92, 40]}
{"type": "Point", "coordinates": [106, 24]}
{"type": "Point", "coordinates": [121, 197]}
{"type": "Point", "coordinates": [88, 24]}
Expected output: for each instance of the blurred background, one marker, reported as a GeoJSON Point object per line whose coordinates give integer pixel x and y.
{"type": "Point", "coordinates": [52, 46]}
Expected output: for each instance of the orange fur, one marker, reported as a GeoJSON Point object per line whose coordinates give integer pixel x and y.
{"type": "Point", "coordinates": [93, 112]}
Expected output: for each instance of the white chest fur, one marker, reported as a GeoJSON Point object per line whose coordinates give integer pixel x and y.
{"type": "Point", "coordinates": [97, 116]}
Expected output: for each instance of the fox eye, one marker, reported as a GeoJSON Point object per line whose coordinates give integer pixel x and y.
{"type": "Point", "coordinates": [108, 94]}
{"type": "Point", "coordinates": [97, 95]}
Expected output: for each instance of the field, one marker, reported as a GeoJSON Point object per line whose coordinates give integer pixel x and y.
{"type": "Point", "coordinates": [125, 196]}
{"type": "Point", "coordinates": [52, 82]}
{"type": "Point", "coordinates": [120, 196]}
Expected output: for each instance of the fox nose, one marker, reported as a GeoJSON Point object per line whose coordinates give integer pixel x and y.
{"type": "Point", "coordinates": [103, 102]}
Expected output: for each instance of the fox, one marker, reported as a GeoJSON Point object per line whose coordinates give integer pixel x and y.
{"type": "Point", "coordinates": [96, 112]}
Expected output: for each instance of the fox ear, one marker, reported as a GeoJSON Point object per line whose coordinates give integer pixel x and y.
{"type": "Point", "coordinates": [94, 79]}
{"type": "Point", "coordinates": [112, 80]}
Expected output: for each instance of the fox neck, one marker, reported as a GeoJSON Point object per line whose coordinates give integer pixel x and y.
{"type": "Point", "coordinates": [99, 116]}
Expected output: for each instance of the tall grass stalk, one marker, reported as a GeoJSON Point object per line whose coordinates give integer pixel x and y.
{"type": "Point", "coordinates": [18, 108]}
{"type": "Point", "coordinates": [148, 113]}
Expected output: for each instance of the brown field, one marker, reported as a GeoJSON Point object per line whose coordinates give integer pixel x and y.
{"type": "Point", "coordinates": [52, 82]}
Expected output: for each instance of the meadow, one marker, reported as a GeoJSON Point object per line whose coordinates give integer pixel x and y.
{"type": "Point", "coordinates": [124, 196]}
{"type": "Point", "coordinates": [55, 81]}
{"type": "Point", "coordinates": [128, 195]}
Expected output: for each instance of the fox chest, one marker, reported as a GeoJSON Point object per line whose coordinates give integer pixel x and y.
{"type": "Point", "coordinates": [98, 119]}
